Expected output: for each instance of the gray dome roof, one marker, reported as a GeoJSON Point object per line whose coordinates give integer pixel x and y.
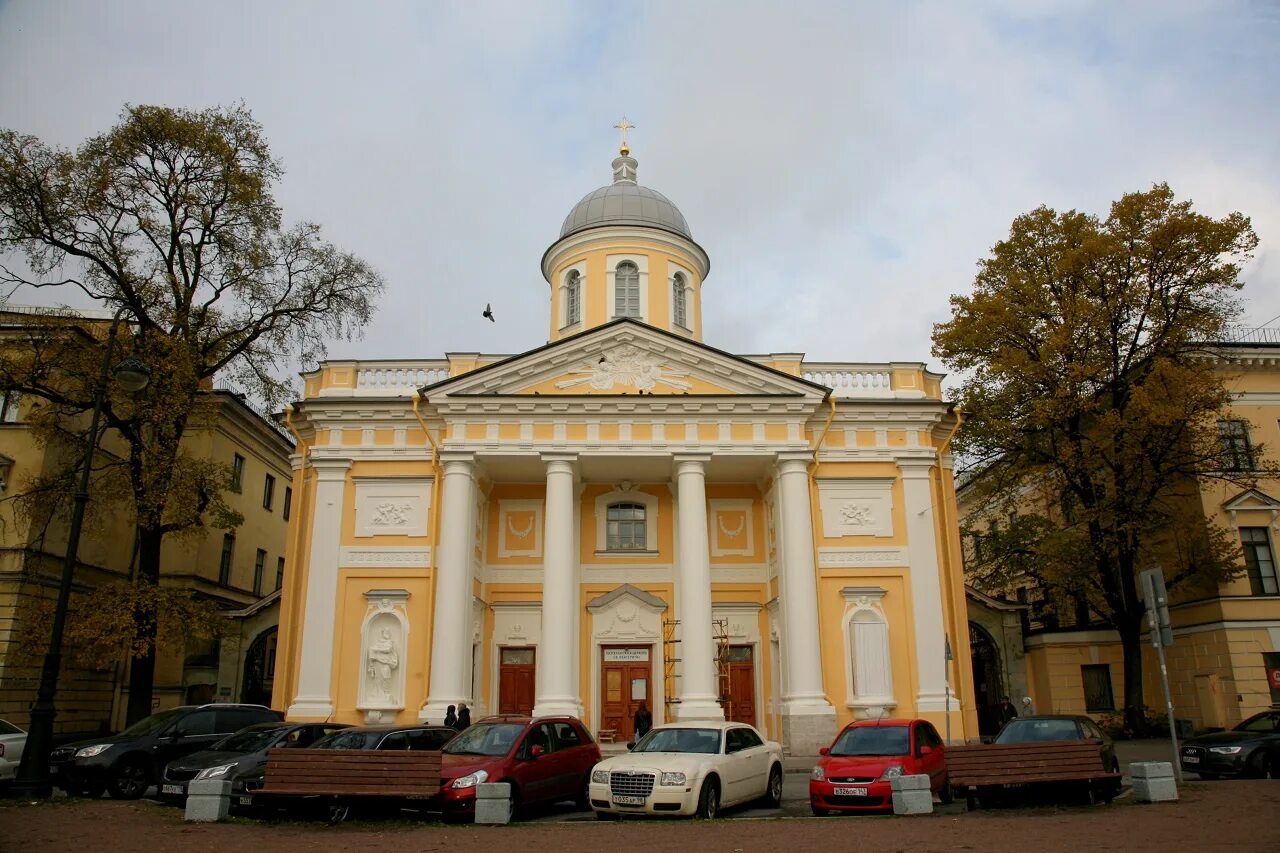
{"type": "Point", "coordinates": [625, 203]}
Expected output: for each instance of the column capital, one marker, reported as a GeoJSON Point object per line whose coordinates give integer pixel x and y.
{"type": "Point", "coordinates": [559, 463]}
{"type": "Point", "coordinates": [916, 468]}
{"type": "Point", "coordinates": [331, 469]}
{"type": "Point", "coordinates": [695, 462]}
{"type": "Point", "coordinates": [791, 461]}
{"type": "Point", "coordinates": [458, 462]}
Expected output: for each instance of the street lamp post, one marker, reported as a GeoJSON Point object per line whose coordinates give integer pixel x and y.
{"type": "Point", "coordinates": [33, 771]}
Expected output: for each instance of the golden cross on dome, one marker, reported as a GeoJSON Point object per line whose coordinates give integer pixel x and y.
{"type": "Point", "coordinates": [624, 126]}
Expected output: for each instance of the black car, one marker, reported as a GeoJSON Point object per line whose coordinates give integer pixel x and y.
{"type": "Point", "coordinates": [1239, 752]}
{"type": "Point", "coordinates": [240, 757]}
{"type": "Point", "coordinates": [421, 737]}
{"type": "Point", "coordinates": [128, 763]}
{"type": "Point", "coordinates": [1059, 727]}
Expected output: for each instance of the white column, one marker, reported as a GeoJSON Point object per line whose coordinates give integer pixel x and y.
{"type": "Point", "coordinates": [926, 584]}
{"type": "Point", "coordinates": [451, 621]}
{"type": "Point", "coordinates": [315, 659]}
{"type": "Point", "coordinates": [557, 665]}
{"type": "Point", "coordinates": [699, 696]}
{"type": "Point", "coordinates": [808, 718]}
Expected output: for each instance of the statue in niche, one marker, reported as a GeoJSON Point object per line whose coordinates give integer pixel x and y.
{"type": "Point", "coordinates": [382, 664]}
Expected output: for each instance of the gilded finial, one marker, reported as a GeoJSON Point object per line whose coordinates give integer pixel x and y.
{"type": "Point", "coordinates": [624, 126]}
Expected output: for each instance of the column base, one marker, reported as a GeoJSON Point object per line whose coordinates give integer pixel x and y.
{"type": "Point", "coordinates": [435, 710]}
{"type": "Point", "coordinates": [808, 725]}
{"type": "Point", "coordinates": [315, 708]}
{"type": "Point", "coordinates": [557, 707]}
{"type": "Point", "coordinates": [936, 701]}
{"type": "Point", "coordinates": [698, 708]}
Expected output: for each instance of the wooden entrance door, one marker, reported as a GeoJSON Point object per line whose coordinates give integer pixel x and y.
{"type": "Point", "coordinates": [516, 684]}
{"type": "Point", "coordinates": [625, 676]}
{"type": "Point", "coordinates": [741, 704]}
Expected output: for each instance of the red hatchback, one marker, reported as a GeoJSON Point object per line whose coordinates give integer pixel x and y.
{"type": "Point", "coordinates": [854, 773]}
{"type": "Point", "coordinates": [546, 760]}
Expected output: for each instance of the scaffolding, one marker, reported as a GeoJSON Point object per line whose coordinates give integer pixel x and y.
{"type": "Point", "coordinates": [720, 633]}
{"type": "Point", "coordinates": [670, 643]}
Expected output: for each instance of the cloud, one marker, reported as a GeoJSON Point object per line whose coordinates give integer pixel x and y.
{"type": "Point", "coordinates": [845, 165]}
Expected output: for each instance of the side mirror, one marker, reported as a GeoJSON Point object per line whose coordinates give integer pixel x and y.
{"type": "Point", "coordinates": [824, 750]}
{"type": "Point", "coordinates": [536, 751]}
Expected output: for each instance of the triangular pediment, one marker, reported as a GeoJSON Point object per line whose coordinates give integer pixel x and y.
{"type": "Point", "coordinates": [1251, 499]}
{"type": "Point", "coordinates": [625, 357]}
{"type": "Point", "coordinates": [627, 592]}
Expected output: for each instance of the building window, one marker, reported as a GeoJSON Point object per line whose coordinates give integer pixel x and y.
{"type": "Point", "coordinates": [237, 473]}
{"type": "Point", "coordinates": [1233, 438]}
{"type": "Point", "coordinates": [224, 565]}
{"type": "Point", "coordinates": [9, 404]}
{"type": "Point", "coordinates": [626, 527]}
{"type": "Point", "coordinates": [872, 668]}
{"type": "Point", "coordinates": [268, 492]}
{"type": "Point", "coordinates": [259, 563]}
{"type": "Point", "coordinates": [626, 290]}
{"type": "Point", "coordinates": [288, 502]}
{"type": "Point", "coordinates": [573, 298]}
{"type": "Point", "coordinates": [1259, 560]}
{"type": "Point", "coordinates": [1097, 687]}
{"type": "Point", "coordinates": [679, 308]}
{"type": "Point", "coordinates": [279, 572]}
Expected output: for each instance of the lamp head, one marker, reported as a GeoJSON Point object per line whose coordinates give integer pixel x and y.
{"type": "Point", "coordinates": [132, 375]}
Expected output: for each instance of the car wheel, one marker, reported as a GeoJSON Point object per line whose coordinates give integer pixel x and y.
{"type": "Point", "coordinates": [129, 780]}
{"type": "Point", "coordinates": [583, 801]}
{"type": "Point", "coordinates": [945, 795]}
{"type": "Point", "coordinates": [708, 800]}
{"type": "Point", "coordinates": [817, 812]}
{"type": "Point", "coordinates": [773, 794]}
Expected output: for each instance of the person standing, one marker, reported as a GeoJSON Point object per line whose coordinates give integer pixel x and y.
{"type": "Point", "coordinates": [451, 717]}
{"type": "Point", "coordinates": [643, 720]}
{"type": "Point", "coordinates": [1006, 712]}
{"type": "Point", "coordinates": [464, 717]}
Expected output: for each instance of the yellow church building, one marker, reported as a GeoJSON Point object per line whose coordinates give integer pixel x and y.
{"type": "Point", "coordinates": [623, 515]}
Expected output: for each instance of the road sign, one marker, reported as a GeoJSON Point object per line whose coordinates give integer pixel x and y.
{"type": "Point", "coordinates": [1157, 600]}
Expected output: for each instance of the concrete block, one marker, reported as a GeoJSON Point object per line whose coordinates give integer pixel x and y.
{"type": "Point", "coordinates": [809, 731]}
{"type": "Point", "coordinates": [1155, 790]}
{"type": "Point", "coordinates": [209, 788]}
{"type": "Point", "coordinates": [493, 791]}
{"type": "Point", "coordinates": [206, 809]}
{"type": "Point", "coordinates": [910, 783]}
{"type": "Point", "coordinates": [1151, 770]}
{"type": "Point", "coordinates": [493, 811]}
{"type": "Point", "coordinates": [913, 802]}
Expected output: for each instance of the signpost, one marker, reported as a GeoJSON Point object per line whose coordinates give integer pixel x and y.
{"type": "Point", "coordinates": [946, 670]}
{"type": "Point", "coordinates": [1157, 601]}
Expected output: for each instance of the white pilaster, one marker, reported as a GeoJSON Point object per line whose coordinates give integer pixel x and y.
{"type": "Point", "coordinates": [808, 718]}
{"type": "Point", "coordinates": [557, 671]}
{"type": "Point", "coordinates": [699, 697]}
{"type": "Point", "coordinates": [451, 623]}
{"type": "Point", "coordinates": [926, 585]}
{"type": "Point", "coordinates": [315, 663]}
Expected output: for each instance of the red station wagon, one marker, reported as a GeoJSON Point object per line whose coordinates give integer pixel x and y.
{"type": "Point", "coordinates": [545, 759]}
{"type": "Point", "coordinates": [854, 773]}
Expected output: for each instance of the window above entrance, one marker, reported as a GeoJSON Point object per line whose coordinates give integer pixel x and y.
{"type": "Point", "coordinates": [626, 523]}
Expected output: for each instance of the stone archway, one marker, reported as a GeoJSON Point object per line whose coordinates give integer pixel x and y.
{"type": "Point", "coordinates": [988, 681]}
{"type": "Point", "coordinates": [259, 669]}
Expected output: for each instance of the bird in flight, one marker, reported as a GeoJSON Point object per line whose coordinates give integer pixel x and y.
{"type": "Point", "coordinates": [488, 312]}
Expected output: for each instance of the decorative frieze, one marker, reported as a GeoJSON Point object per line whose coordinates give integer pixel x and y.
{"type": "Point", "coordinates": [392, 506]}
{"type": "Point", "coordinates": [856, 507]}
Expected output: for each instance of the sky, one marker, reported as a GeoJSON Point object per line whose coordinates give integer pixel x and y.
{"type": "Point", "coordinates": [845, 164]}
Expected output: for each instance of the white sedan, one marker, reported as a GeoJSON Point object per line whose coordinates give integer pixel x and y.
{"type": "Point", "coordinates": [12, 739]}
{"type": "Point", "coordinates": [691, 768]}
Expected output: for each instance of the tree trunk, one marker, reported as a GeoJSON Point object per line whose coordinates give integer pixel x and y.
{"type": "Point", "coordinates": [142, 669]}
{"type": "Point", "coordinates": [1135, 712]}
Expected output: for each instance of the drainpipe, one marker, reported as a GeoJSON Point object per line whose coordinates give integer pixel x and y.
{"type": "Point", "coordinates": [435, 513]}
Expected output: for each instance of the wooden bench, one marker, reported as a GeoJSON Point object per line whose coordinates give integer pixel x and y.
{"type": "Point", "coordinates": [607, 735]}
{"type": "Point", "coordinates": [338, 776]}
{"type": "Point", "coordinates": [990, 770]}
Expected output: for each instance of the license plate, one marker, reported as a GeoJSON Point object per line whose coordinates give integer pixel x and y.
{"type": "Point", "coordinates": [849, 792]}
{"type": "Point", "coordinates": [246, 801]}
{"type": "Point", "coordinates": [1190, 759]}
{"type": "Point", "coordinates": [619, 800]}
{"type": "Point", "coordinates": [171, 789]}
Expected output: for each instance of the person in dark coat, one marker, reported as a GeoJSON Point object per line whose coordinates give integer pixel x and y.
{"type": "Point", "coordinates": [451, 717]}
{"type": "Point", "coordinates": [1006, 711]}
{"type": "Point", "coordinates": [464, 716]}
{"type": "Point", "coordinates": [643, 720]}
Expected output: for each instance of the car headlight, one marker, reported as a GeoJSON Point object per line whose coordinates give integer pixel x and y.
{"type": "Point", "coordinates": [1225, 750]}
{"type": "Point", "coordinates": [818, 774]}
{"type": "Point", "coordinates": [471, 779]}
{"type": "Point", "coordinates": [600, 777]}
{"type": "Point", "coordinates": [890, 772]}
{"type": "Point", "coordinates": [219, 772]}
{"type": "Point", "coordinates": [673, 779]}
{"type": "Point", "coordinates": [91, 751]}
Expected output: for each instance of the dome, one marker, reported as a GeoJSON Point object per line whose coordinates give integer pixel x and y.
{"type": "Point", "coordinates": [624, 202]}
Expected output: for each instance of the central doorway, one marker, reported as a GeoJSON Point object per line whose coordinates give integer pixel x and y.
{"type": "Point", "coordinates": [516, 679]}
{"type": "Point", "coordinates": [625, 675]}
{"type": "Point", "coordinates": [740, 699]}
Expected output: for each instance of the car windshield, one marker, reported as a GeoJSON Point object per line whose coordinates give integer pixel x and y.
{"type": "Point", "coordinates": [249, 740]}
{"type": "Point", "coordinates": [8, 728]}
{"type": "Point", "coordinates": [486, 739]}
{"type": "Point", "coordinates": [349, 739]}
{"type": "Point", "coordinates": [873, 740]}
{"type": "Point", "coordinates": [1029, 731]}
{"type": "Point", "coordinates": [153, 724]}
{"type": "Point", "coordinates": [704, 741]}
{"type": "Point", "coordinates": [1264, 723]}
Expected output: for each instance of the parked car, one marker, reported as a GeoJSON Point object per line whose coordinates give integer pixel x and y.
{"type": "Point", "coordinates": [1246, 750]}
{"type": "Point", "coordinates": [854, 774]}
{"type": "Point", "coordinates": [130, 762]}
{"type": "Point", "coordinates": [239, 757]}
{"type": "Point", "coordinates": [12, 740]}
{"type": "Point", "coordinates": [1058, 727]}
{"type": "Point", "coordinates": [545, 759]}
{"type": "Point", "coordinates": [415, 737]}
{"type": "Point", "coordinates": [694, 768]}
